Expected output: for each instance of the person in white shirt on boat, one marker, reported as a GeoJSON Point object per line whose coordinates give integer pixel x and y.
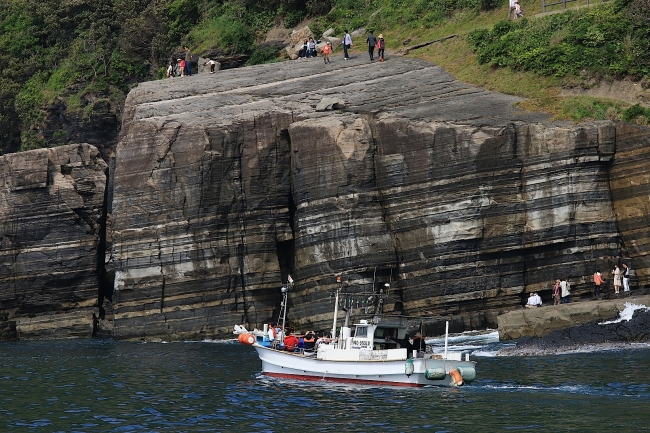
{"type": "Point", "coordinates": [272, 335]}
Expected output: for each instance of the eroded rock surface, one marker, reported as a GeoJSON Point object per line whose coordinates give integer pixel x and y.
{"type": "Point", "coordinates": [226, 183]}
{"type": "Point", "coordinates": [51, 203]}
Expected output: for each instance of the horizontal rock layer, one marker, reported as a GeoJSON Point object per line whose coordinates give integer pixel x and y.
{"type": "Point", "coordinates": [51, 204]}
{"type": "Point", "coordinates": [226, 183]}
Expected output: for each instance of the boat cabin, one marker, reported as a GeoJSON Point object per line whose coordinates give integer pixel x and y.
{"type": "Point", "coordinates": [385, 334]}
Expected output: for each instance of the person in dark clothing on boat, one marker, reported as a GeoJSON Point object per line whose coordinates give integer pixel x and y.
{"type": "Point", "coordinates": [310, 340]}
{"type": "Point", "coordinates": [419, 343]}
{"type": "Point", "coordinates": [404, 344]}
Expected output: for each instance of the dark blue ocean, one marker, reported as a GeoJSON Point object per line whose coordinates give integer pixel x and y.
{"type": "Point", "coordinates": [108, 386]}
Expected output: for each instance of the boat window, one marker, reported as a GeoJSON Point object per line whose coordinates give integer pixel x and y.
{"type": "Point", "coordinates": [380, 332]}
{"type": "Point", "coordinates": [361, 332]}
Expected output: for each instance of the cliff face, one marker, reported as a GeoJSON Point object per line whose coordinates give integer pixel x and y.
{"type": "Point", "coordinates": [224, 184]}
{"type": "Point", "coordinates": [51, 203]}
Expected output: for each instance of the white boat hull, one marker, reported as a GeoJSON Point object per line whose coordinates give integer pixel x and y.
{"type": "Point", "coordinates": [276, 363]}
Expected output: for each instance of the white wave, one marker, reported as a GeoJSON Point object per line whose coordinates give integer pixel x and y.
{"type": "Point", "coordinates": [626, 314]}
{"type": "Point", "coordinates": [228, 341]}
{"type": "Point", "coordinates": [470, 338]}
{"type": "Point", "coordinates": [485, 353]}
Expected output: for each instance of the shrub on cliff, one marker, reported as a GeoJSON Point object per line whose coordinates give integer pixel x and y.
{"type": "Point", "coordinates": [607, 40]}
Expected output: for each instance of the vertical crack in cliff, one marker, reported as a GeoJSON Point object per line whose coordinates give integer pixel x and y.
{"type": "Point", "coordinates": [105, 280]}
{"type": "Point", "coordinates": [241, 248]}
{"type": "Point", "coordinates": [383, 205]}
{"type": "Point", "coordinates": [162, 273]}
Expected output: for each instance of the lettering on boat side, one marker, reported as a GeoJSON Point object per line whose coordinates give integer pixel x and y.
{"type": "Point", "coordinates": [360, 343]}
{"type": "Point", "coordinates": [373, 355]}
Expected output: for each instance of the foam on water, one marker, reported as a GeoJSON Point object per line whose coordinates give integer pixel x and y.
{"type": "Point", "coordinates": [626, 314]}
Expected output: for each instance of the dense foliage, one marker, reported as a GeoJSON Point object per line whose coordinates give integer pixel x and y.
{"type": "Point", "coordinates": [81, 54]}
{"type": "Point", "coordinates": [610, 40]}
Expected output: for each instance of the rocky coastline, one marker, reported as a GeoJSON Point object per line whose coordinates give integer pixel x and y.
{"type": "Point", "coordinates": [588, 325]}
{"type": "Point", "coordinates": [224, 184]}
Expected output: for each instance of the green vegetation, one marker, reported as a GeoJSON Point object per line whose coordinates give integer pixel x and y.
{"type": "Point", "coordinates": [83, 54]}
{"type": "Point", "coordinates": [600, 40]}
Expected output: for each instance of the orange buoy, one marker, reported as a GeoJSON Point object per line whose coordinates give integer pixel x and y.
{"type": "Point", "coordinates": [456, 378]}
{"type": "Point", "coordinates": [248, 339]}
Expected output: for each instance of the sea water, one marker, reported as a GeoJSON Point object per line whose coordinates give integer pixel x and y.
{"type": "Point", "coordinates": [108, 386]}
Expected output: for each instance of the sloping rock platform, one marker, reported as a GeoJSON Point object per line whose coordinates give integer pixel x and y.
{"type": "Point", "coordinates": [226, 183]}
{"type": "Point", "coordinates": [540, 322]}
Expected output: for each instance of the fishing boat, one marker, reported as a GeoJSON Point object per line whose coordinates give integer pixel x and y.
{"type": "Point", "coordinates": [371, 352]}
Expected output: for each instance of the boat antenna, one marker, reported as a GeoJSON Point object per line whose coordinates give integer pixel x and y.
{"type": "Point", "coordinates": [336, 306]}
{"type": "Point", "coordinates": [283, 306]}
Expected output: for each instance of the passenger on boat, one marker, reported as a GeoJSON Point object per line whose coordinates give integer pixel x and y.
{"type": "Point", "coordinates": [290, 343]}
{"type": "Point", "coordinates": [272, 335]}
{"type": "Point", "coordinates": [419, 343]}
{"type": "Point", "coordinates": [322, 339]}
{"type": "Point", "coordinates": [301, 341]}
{"type": "Point", "coordinates": [404, 343]}
{"type": "Point", "coordinates": [310, 340]}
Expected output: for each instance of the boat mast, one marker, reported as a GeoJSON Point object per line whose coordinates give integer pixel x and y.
{"type": "Point", "coordinates": [285, 293]}
{"type": "Point", "coordinates": [336, 308]}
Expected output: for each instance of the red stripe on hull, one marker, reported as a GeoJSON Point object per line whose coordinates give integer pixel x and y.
{"type": "Point", "coordinates": [342, 380]}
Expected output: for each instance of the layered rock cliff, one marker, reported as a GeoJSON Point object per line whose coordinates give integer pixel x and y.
{"type": "Point", "coordinates": [224, 184]}
{"type": "Point", "coordinates": [51, 206]}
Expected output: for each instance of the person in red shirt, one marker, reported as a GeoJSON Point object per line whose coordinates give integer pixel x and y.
{"type": "Point", "coordinates": [326, 50]}
{"type": "Point", "coordinates": [290, 342]}
{"type": "Point", "coordinates": [598, 280]}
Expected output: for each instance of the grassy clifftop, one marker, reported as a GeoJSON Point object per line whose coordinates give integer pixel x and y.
{"type": "Point", "coordinates": [68, 63]}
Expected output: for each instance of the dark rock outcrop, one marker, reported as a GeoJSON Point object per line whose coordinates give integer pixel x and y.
{"type": "Point", "coordinates": [51, 203]}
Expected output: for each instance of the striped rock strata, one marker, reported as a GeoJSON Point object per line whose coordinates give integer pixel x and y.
{"type": "Point", "coordinates": [51, 204]}
{"type": "Point", "coordinates": [224, 184]}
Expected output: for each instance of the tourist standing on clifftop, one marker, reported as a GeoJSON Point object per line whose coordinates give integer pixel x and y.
{"type": "Point", "coordinates": [371, 41]}
{"type": "Point", "coordinates": [511, 9]}
{"type": "Point", "coordinates": [598, 280]}
{"type": "Point", "coordinates": [347, 43]}
{"type": "Point", "coordinates": [380, 47]}
{"type": "Point", "coordinates": [188, 61]}
{"type": "Point", "coordinates": [326, 50]}
{"type": "Point", "coordinates": [617, 279]}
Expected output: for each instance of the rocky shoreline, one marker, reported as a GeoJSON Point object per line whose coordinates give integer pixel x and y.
{"type": "Point", "coordinates": [632, 327]}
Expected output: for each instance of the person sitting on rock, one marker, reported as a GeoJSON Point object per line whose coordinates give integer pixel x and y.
{"type": "Point", "coordinates": [532, 302]}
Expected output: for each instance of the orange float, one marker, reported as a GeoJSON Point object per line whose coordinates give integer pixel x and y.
{"type": "Point", "coordinates": [456, 378]}
{"type": "Point", "coordinates": [247, 339]}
